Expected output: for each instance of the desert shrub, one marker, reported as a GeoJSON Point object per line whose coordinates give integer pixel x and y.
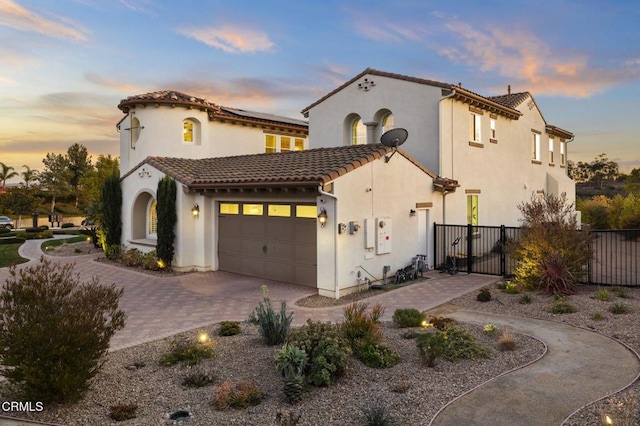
{"type": "Point", "coordinates": [122, 412]}
{"type": "Point", "coordinates": [378, 355]}
{"type": "Point", "coordinates": [408, 317]}
{"type": "Point", "coordinates": [377, 414]}
{"type": "Point", "coordinates": [274, 328]}
{"type": "Point", "coordinates": [619, 308]}
{"type": "Point", "coordinates": [506, 342]}
{"type": "Point", "coordinates": [602, 295]}
{"type": "Point", "coordinates": [401, 386]}
{"type": "Point", "coordinates": [188, 352]}
{"type": "Point", "coordinates": [440, 323]}
{"type": "Point", "coordinates": [620, 292]}
{"type": "Point", "coordinates": [430, 346]}
{"type": "Point", "coordinates": [290, 363]}
{"type": "Point", "coordinates": [150, 261]}
{"type": "Point", "coordinates": [238, 395]}
{"type": "Point", "coordinates": [597, 316]}
{"type": "Point", "coordinates": [327, 349]}
{"type": "Point", "coordinates": [55, 330]}
{"type": "Point", "coordinates": [490, 329]}
{"type": "Point", "coordinates": [525, 299]}
{"type": "Point", "coordinates": [511, 288]}
{"type": "Point", "coordinates": [132, 257]}
{"type": "Point", "coordinates": [229, 328]}
{"type": "Point", "coordinates": [198, 379]}
{"type": "Point", "coordinates": [461, 344]}
{"type": "Point", "coordinates": [359, 325]}
{"type": "Point", "coordinates": [484, 295]}
{"type": "Point", "coordinates": [4, 231]}
{"type": "Point", "coordinates": [551, 252]}
{"type": "Point", "coordinates": [562, 306]}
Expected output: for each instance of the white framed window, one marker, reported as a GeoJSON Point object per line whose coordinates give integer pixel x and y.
{"type": "Point", "coordinates": [274, 143]}
{"type": "Point", "coordinates": [388, 122]}
{"type": "Point", "coordinates": [551, 143]}
{"type": "Point", "coordinates": [476, 128]}
{"type": "Point", "coordinates": [492, 129]}
{"type": "Point", "coordinates": [535, 147]}
{"type": "Point", "coordinates": [152, 219]}
{"type": "Point", "coordinates": [358, 132]}
{"type": "Point", "coordinates": [562, 153]}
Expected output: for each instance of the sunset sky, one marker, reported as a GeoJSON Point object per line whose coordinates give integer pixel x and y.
{"type": "Point", "coordinates": [66, 64]}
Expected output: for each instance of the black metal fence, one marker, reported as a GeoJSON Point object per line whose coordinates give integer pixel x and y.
{"type": "Point", "coordinates": [615, 260]}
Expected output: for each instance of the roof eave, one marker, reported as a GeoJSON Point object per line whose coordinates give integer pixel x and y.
{"type": "Point", "coordinates": [484, 103]}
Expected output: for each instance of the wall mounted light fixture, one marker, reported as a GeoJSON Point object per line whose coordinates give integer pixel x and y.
{"type": "Point", "coordinates": [322, 217]}
{"type": "Point", "coordinates": [412, 212]}
{"type": "Point", "coordinates": [195, 210]}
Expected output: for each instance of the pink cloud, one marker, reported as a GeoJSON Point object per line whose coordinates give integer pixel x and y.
{"type": "Point", "coordinates": [15, 16]}
{"type": "Point", "coordinates": [231, 39]}
{"type": "Point", "coordinates": [530, 63]}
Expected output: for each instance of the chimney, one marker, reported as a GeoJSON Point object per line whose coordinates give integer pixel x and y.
{"type": "Point", "coordinates": [509, 89]}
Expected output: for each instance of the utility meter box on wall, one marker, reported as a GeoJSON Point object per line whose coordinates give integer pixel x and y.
{"type": "Point", "coordinates": [383, 235]}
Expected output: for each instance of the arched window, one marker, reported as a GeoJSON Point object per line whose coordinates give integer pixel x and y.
{"type": "Point", "coordinates": [135, 130]}
{"type": "Point", "coordinates": [358, 132]}
{"type": "Point", "coordinates": [388, 122]}
{"type": "Point", "coordinates": [152, 219]}
{"type": "Point", "coordinates": [191, 131]}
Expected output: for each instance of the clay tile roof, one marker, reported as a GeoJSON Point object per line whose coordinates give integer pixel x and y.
{"type": "Point", "coordinates": [511, 100]}
{"type": "Point", "coordinates": [165, 97]}
{"type": "Point", "coordinates": [297, 168]}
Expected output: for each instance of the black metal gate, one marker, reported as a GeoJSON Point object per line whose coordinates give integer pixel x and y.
{"type": "Point", "coordinates": [615, 253]}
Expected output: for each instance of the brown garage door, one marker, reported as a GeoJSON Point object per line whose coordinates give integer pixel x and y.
{"type": "Point", "coordinates": [269, 240]}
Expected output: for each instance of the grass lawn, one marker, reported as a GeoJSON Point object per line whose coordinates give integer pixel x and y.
{"type": "Point", "coordinates": [60, 242]}
{"type": "Point", "coordinates": [9, 255]}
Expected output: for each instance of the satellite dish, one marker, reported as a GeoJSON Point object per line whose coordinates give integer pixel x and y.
{"type": "Point", "coordinates": [393, 138]}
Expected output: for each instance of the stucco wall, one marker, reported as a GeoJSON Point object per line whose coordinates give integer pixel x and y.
{"type": "Point", "coordinates": [414, 106]}
{"type": "Point", "coordinates": [378, 189]}
{"type": "Point", "coordinates": [162, 137]}
{"type": "Point", "coordinates": [502, 172]}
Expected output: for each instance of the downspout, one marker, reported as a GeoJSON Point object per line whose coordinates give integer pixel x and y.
{"type": "Point", "coordinates": [335, 240]}
{"type": "Point", "coordinates": [444, 193]}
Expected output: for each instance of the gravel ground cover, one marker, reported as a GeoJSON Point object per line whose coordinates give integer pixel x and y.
{"type": "Point", "coordinates": [412, 392]}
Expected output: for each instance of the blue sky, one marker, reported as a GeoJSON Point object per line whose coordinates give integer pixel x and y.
{"type": "Point", "coordinates": [65, 64]}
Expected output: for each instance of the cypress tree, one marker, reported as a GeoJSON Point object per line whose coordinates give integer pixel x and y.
{"type": "Point", "coordinates": [167, 218]}
{"type": "Point", "coordinates": [111, 221]}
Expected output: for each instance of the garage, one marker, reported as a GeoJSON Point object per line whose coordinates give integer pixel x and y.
{"type": "Point", "coordinates": [275, 241]}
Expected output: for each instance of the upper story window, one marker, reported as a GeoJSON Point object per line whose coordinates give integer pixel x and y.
{"type": "Point", "coordinates": [191, 131]}
{"type": "Point", "coordinates": [535, 146]}
{"type": "Point", "coordinates": [476, 128]}
{"type": "Point", "coordinates": [135, 130]}
{"type": "Point", "coordinates": [492, 129]}
{"type": "Point", "coordinates": [358, 132]}
{"type": "Point", "coordinates": [551, 143]}
{"type": "Point", "coordinates": [273, 143]}
{"type": "Point", "coordinates": [562, 153]}
{"type": "Point", "coordinates": [388, 122]}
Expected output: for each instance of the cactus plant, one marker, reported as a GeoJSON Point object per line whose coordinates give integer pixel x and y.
{"type": "Point", "coordinates": [290, 362]}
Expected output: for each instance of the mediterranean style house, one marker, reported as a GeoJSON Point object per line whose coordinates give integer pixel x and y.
{"type": "Point", "coordinates": [323, 204]}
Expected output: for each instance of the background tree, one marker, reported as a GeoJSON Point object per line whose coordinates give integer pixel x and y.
{"type": "Point", "coordinates": [6, 173]}
{"type": "Point", "coordinates": [632, 182]}
{"type": "Point", "coordinates": [551, 252]}
{"type": "Point", "coordinates": [93, 180]}
{"type": "Point", "coordinates": [110, 228]}
{"type": "Point", "coordinates": [79, 164]}
{"type": "Point", "coordinates": [167, 218]}
{"type": "Point", "coordinates": [20, 202]}
{"type": "Point", "coordinates": [600, 170]}
{"type": "Point", "coordinates": [29, 175]}
{"type": "Point", "coordinates": [55, 177]}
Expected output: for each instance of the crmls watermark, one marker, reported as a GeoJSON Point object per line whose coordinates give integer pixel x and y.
{"type": "Point", "coordinates": [19, 406]}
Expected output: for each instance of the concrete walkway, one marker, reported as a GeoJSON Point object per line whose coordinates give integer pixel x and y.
{"type": "Point", "coordinates": [579, 367]}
